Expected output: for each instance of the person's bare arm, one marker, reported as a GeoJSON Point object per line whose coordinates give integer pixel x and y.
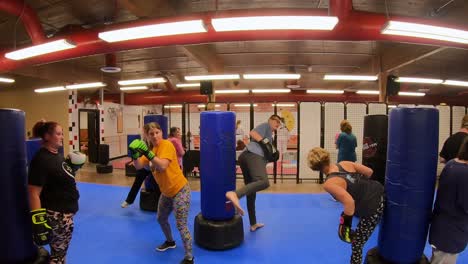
{"type": "Point", "coordinates": [255, 135]}
{"type": "Point", "coordinates": [340, 194]}
{"type": "Point", "coordinates": [364, 170]}
{"type": "Point", "coordinates": [34, 196]}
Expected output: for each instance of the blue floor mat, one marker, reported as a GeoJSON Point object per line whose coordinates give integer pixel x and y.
{"type": "Point", "coordinates": [299, 228]}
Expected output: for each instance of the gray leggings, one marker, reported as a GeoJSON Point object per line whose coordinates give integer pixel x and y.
{"type": "Point", "coordinates": [255, 178]}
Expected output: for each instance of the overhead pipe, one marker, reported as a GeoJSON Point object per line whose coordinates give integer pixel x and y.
{"type": "Point", "coordinates": [28, 17]}
{"type": "Point", "coordinates": [357, 26]}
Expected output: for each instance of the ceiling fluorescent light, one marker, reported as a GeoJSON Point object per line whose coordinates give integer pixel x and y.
{"type": "Point", "coordinates": [156, 30]}
{"type": "Point", "coordinates": [212, 77]}
{"type": "Point", "coordinates": [281, 76]}
{"type": "Point", "coordinates": [40, 49]}
{"type": "Point", "coordinates": [418, 80]}
{"type": "Point", "coordinates": [271, 90]}
{"type": "Point", "coordinates": [392, 106]}
{"type": "Point", "coordinates": [318, 91]}
{"type": "Point", "coordinates": [133, 88]}
{"type": "Point", "coordinates": [143, 81]}
{"type": "Point", "coordinates": [6, 80]}
{"type": "Point", "coordinates": [202, 105]}
{"type": "Point", "coordinates": [183, 85]}
{"type": "Point", "coordinates": [335, 77]}
{"type": "Point", "coordinates": [244, 105]}
{"type": "Point", "coordinates": [425, 31]}
{"type": "Point", "coordinates": [367, 92]}
{"type": "Point", "coordinates": [49, 89]}
{"type": "Point", "coordinates": [455, 83]}
{"type": "Point", "coordinates": [284, 105]}
{"type": "Point", "coordinates": [275, 23]}
{"type": "Point", "coordinates": [231, 91]}
{"type": "Point", "coordinates": [410, 94]}
{"type": "Point", "coordinates": [85, 85]}
{"type": "Point", "coordinates": [173, 106]}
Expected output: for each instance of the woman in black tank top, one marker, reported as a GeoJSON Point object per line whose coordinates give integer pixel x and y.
{"type": "Point", "coordinates": [350, 184]}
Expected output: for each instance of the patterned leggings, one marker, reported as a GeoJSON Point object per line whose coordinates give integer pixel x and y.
{"type": "Point", "coordinates": [364, 230]}
{"type": "Point", "coordinates": [181, 206]}
{"type": "Point", "coordinates": [62, 229]}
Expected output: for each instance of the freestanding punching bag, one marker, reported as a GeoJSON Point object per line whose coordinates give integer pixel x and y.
{"type": "Point", "coordinates": [32, 147]}
{"type": "Point", "coordinates": [161, 120]}
{"type": "Point", "coordinates": [374, 149]}
{"type": "Point", "coordinates": [16, 239]}
{"type": "Point", "coordinates": [410, 182]}
{"type": "Point", "coordinates": [217, 226]}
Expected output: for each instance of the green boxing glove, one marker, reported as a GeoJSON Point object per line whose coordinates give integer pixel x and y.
{"type": "Point", "coordinates": [139, 146]}
{"type": "Point", "coordinates": [134, 154]}
{"type": "Point", "coordinates": [41, 229]}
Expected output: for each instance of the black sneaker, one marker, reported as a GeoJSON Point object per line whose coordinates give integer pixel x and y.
{"type": "Point", "coordinates": [166, 245]}
{"type": "Point", "coordinates": [187, 261]}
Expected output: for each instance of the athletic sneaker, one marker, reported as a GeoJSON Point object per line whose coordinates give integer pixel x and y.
{"type": "Point", "coordinates": [166, 245]}
{"type": "Point", "coordinates": [187, 261]}
{"type": "Point", "coordinates": [124, 204]}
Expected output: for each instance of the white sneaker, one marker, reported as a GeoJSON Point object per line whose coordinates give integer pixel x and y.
{"type": "Point", "coordinates": [124, 204]}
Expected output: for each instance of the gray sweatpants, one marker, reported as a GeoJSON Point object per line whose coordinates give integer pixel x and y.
{"type": "Point", "coordinates": [253, 168]}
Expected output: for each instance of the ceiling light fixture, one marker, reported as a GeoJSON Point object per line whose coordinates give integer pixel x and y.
{"type": "Point", "coordinates": [40, 49]}
{"type": "Point", "coordinates": [173, 106]}
{"type": "Point", "coordinates": [271, 90]}
{"type": "Point", "coordinates": [367, 92]}
{"type": "Point", "coordinates": [202, 105]}
{"type": "Point", "coordinates": [319, 91]}
{"type": "Point", "coordinates": [455, 83]}
{"type": "Point", "coordinates": [337, 77]}
{"type": "Point", "coordinates": [212, 77]}
{"type": "Point", "coordinates": [184, 85]}
{"type": "Point", "coordinates": [143, 81]}
{"type": "Point", "coordinates": [244, 105]}
{"type": "Point", "coordinates": [411, 94]}
{"type": "Point", "coordinates": [240, 91]}
{"type": "Point", "coordinates": [49, 89]}
{"type": "Point", "coordinates": [275, 23]}
{"type": "Point", "coordinates": [280, 76]}
{"type": "Point", "coordinates": [418, 80]}
{"type": "Point", "coordinates": [155, 30]}
{"type": "Point", "coordinates": [85, 85]}
{"type": "Point", "coordinates": [133, 88]}
{"type": "Point", "coordinates": [425, 31]}
{"type": "Point", "coordinates": [284, 105]}
{"type": "Point", "coordinates": [6, 80]}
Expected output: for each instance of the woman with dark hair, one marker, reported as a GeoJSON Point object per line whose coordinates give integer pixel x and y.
{"type": "Point", "coordinates": [175, 190]}
{"type": "Point", "coordinates": [448, 234]}
{"type": "Point", "coordinates": [53, 196]}
{"type": "Point", "coordinates": [175, 137]}
{"type": "Point", "coordinates": [350, 184]}
{"type": "Point", "coordinates": [346, 143]}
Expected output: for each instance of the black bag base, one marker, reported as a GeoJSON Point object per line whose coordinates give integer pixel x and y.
{"type": "Point", "coordinates": [149, 200]}
{"type": "Point", "coordinates": [219, 235]}
{"type": "Point", "coordinates": [130, 170]}
{"type": "Point", "coordinates": [373, 257]}
{"type": "Point", "coordinates": [104, 168]}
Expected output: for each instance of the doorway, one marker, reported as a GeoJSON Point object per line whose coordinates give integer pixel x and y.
{"type": "Point", "coordinates": [88, 135]}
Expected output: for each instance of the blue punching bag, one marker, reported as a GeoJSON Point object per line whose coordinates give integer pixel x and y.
{"type": "Point", "coordinates": [217, 227]}
{"type": "Point", "coordinates": [32, 147]}
{"type": "Point", "coordinates": [16, 238]}
{"type": "Point", "coordinates": [161, 120]}
{"type": "Point", "coordinates": [410, 182]}
{"type": "Point", "coordinates": [217, 162]}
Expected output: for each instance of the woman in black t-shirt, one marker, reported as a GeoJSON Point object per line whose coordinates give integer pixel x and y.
{"type": "Point", "coordinates": [349, 183]}
{"type": "Point", "coordinates": [53, 196]}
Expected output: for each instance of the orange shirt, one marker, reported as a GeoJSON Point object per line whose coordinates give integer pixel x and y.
{"type": "Point", "coordinates": [171, 180]}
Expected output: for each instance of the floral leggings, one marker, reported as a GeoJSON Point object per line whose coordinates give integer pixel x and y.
{"type": "Point", "coordinates": [62, 228]}
{"type": "Point", "coordinates": [180, 204]}
{"type": "Point", "coordinates": [364, 230]}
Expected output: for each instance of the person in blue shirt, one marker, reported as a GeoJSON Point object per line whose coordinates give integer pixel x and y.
{"type": "Point", "coordinates": [448, 234]}
{"type": "Point", "coordinates": [253, 161]}
{"type": "Point", "coordinates": [346, 143]}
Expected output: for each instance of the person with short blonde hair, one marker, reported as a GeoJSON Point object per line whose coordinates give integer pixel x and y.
{"type": "Point", "coordinates": [346, 143]}
{"type": "Point", "coordinates": [350, 184]}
